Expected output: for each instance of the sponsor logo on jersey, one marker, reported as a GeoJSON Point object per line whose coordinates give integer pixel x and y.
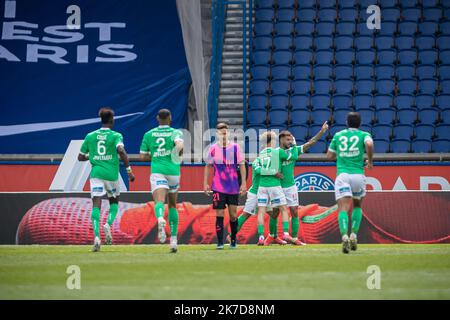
{"type": "Point", "coordinates": [313, 181]}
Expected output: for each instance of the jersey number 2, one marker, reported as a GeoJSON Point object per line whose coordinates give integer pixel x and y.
{"type": "Point", "coordinates": [343, 146]}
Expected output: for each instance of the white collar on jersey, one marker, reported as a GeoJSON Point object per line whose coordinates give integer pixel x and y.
{"type": "Point", "coordinates": [163, 126]}
{"type": "Point", "coordinates": [102, 128]}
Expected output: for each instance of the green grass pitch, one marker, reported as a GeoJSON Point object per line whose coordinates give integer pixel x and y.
{"type": "Point", "coordinates": [202, 272]}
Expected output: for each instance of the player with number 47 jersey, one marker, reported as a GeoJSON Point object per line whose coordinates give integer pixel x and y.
{"type": "Point", "coordinates": [347, 147]}
{"type": "Point", "coordinates": [164, 146]}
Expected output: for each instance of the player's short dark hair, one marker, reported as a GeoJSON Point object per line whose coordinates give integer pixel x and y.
{"type": "Point", "coordinates": [164, 114]}
{"type": "Point", "coordinates": [107, 115]}
{"type": "Point", "coordinates": [222, 125]}
{"type": "Point", "coordinates": [284, 133]}
{"type": "Point", "coordinates": [353, 120]}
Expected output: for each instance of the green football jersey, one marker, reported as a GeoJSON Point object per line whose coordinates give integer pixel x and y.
{"type": "Point", "coordinates": [349, 146]}
{"type": "Point", "coordinates": [256, 170]}
{"type": "Point", "coordinates": [160, 144]}
{"type": "Point", "coordinates": [270, 160]}
{"type": "Point", "coordinates": [101, 147]}
{"type": "Point", "coordinates": [287, 167]}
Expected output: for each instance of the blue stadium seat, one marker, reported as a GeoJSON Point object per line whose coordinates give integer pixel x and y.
{"type": "Point", "coordinates": [318, 147]}
{"type": "Point", "coordinates": [264, 15]}
{"type": "Point", "coordinates": [388, 28]}
{"type": "Point", "coordinates": [388, 3]}
{"type": "Point", "coordinates": [348, 14]}
{"type": "Point", "coordinates": [259, 86]}
{"type": "Point", "coordinates": [301, 86]}
{"type": "Point", "coordinates": [261, 57]}
{"type": "Point", "coordinates": [322, 72]}
{"type": "Point", "coordinates": [365, 56]}
{"type": "Point", "coordinates": [282, 57]}
{"type": "Point", "coordinates": [303, 42]}
{"type": "Point", "coordinates": [300, 102]}
{"type": "Point", "coordinates": [428, 86]}
{"type": "Point", "coordinates": [443, 131]}
{"type": "Point", "coordinates": [407, 116]}
{"type": "Point", "coordinates": [403, 131]}
{"type": "Point", "coordinates": [343, 86]}
{"type": "Point", "coordinates": [335, 128]}
{"type": "Point", "coordinates": [404, 101]}
{"type": "Point", "coordinates": [424, 131]}
{"type": "Point", "coordinates": [282, 43]}
{"type": "Point", "coordinates": [407, 86]}
{"type": "Point", "coordinates": [385, 116]}
{"type": "Point", "coordinates": [327, 4]}
{"type": "Point", "coordinates": [302, 72]}
{"type": "Point", "coordinates": [279, 127]}
{"type": "Point", "coordinates": [407, 28]}
{"type": "Point", "coordinates": [430, 4]}
{"type": "Point", "coordinates": [428, 116]}
{"type": "Point", "coordinates": [344, 71]}
{"type": "Point", "coordinates": [257, 101]}
{"type": "Point", "coordinates": [433, 14]}
{"type": "Point", "coordinates": [260, 72]}
{"type": "Point", "coordinates": [382, 131]}
{"type": "Point", "coordinates": [278, 117]}
{"type": "Point", "coordinates": [381, 146]}
{"type": "Point", "coordinates": [307, 4]}
{"type": "Point", "coordinates": [323, 43]}
{"type": "Point", "coordinates": [325, 28]}
{"type": "Point", "coordinates": [362, 100]}
{"type": "Point", "coordinates": [385, 86]}
{"type": "Point", "coordinates": [428, 28]}
{"type": "Point", "coordinates": [365, 86]}
{"type": "Point", "coordinates": [443, 42]}
{"type": "Point", "coordinates": [348, 3]}
{"type": "Point", "coordinates": [284, 28]}
{"type": "Point", "coordinates": [300, 116]}
{"type": "Point", "coordinates": [390, 14]}
{"type": "Point", "coordinates": [364, 42]}
{"type": "Point", "coordinates": [445, 28]}
{"type": "Point", "coordinates": [383, 101]}
{"type": "Point", "coordinates": [340, 116]}
{"type": "Point", "coordinates": [366, 128]}
{"type": "Point", "coordinates": [303, 56]}
{"type": "Point", "coordinates": [408, 4]}
{"type": "Point", "coordinates": [286, 15]}
{"type": "Point", "coordinates": [443, 101]}
{"type": "Point", "coordinates": [421, 146]}
{"type": "Point", "coordinates": [300, 132]}
{"type": "Point", "coordinates": [306, 14]}
{"type": "Point", "coordinates": [263, 28]}
{"type": "Point", "coordinates": [407, 56]}
{"type": "Point", "coordinates": [428, 56]}
{"type": "Point", "coordinates": [342, 102]}
{"type": "Point", "coordinates": [256, 127]}
{"type": "Point", "coordinates": [343, 42]}
{"type": "Point", "coordinates": [364, 71]}
{"type": "Point", "coordinates": [320, 101]}
{"type": "Point", "coordinates": [256, 117]}
{"type": "Point", "coordinates": [444, 56]}
{"type": "Point", "coordinates": [327, 14]}
{"type": "Point", "coordinates": [362, 29]}
{"type": "Point", "coordinates": [445, 86]}
{"type": "Point", "coordinates": [324, 57]}
{"type": "Point", "coordinates": [264, 3]}
{"type": "Point", "coordinates": [281, 72]}
{"type": "Point", "coordinates": [346, 28]}
{"type": "Point", "coordinates": [412, 14]}
{"type": "Point", "coordinates": [424, 101]}
{"type": "Point", "coordinates": [280, 101]}
{"type": "Point", "coordinates": [289, 4]}
{"type": "Point", "coordinates": [425, 42]}
{"type": "Point", "coordinates": [384, 42]}
{"type": "Point", "coordinates": [446, 11]}
{"type": "Point", "coordinates": [319, 116]}
{"type": "Point", "coordinates": [322, 86]}
{"type": "Point", "coordinates": [404, 42]}
{"type": "Point", "coordinates": [262, 43]}
{"type": "Point", "coordinates": [304, 28]}
{"type": "Point", "coordinates": [280, 86]}
{"type": "Point", "coordinates": [385, 71]}
{"type": "Point", "coordinates": [441, 145]}
{"type": "Point", "coordinates": [405, 71]}
{"type": "Point", "coordinates": [387, 56]}
{"type": "Point", "coordinates": [367, 115]}
{"type": "Point", "coordinates": [425, 71]}
{"type": "Point", "coordinates": [345, 57]}
{"type": "Point", "coordinates": [400, 146]}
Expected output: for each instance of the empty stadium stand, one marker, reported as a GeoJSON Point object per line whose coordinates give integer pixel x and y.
{"type": "Point", "coordinates": [316, 60]}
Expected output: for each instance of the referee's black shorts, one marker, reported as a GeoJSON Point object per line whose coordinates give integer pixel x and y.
{"type": "Point", "coordinates": [221, 200]}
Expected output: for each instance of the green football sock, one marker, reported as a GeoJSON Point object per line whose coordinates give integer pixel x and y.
{"type": "Point", "coordinates": [96, 221]}
{"type": "Point", "coordinates": [356, 219]}
{"type": "Point", "coordinates": [286, 226]}
{"type": "Point", "coordinates": [113, 209]}
{"type": "Point", "coordinates": [241, 219]}
{"type": "Point", "coordinates": [295, 224]}
{"type": "Point", "coordinates": [273, 227]}
{"type": "Point", "coordinates": [159, 210]}
{"type": "Point", "coordinates": [260, 230]}
{"type": "Point", "coordinates": [173, 221]}
{"type": "Point", "coordinates": [343, 222]}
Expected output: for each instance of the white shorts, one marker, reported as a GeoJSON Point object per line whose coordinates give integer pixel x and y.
{"type": "Point", "coordinates": [100, 187]}
{"type": "Point", "coordinates": [273, 196]}
{"type": "Point", "coordinates": [158, 181]}
{"type": "Point", "coordinates": [251, 204]}
{"type": "Point", "coordinates": [291, 194]}
{"type": "Point", "coordinates": [350, 185]}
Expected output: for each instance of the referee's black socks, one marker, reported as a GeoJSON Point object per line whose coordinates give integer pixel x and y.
{"type": "Point", "coordinates": [219, 230]}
